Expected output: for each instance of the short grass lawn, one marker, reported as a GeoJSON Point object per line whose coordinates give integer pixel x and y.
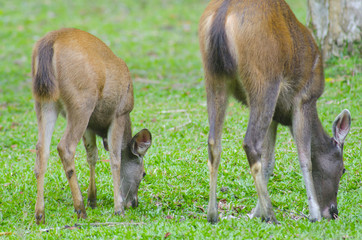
{"type": "Point", "coordinates": [158, 40]}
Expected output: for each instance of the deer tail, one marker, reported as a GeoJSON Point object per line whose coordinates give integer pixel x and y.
{"type": "Point", "coordinates": [220, 61]}
{"type": "Point", "coordinates": [45, 87]}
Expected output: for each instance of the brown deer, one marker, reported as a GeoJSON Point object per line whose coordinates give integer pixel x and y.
{"type": "Point", "coordinates": [77, 75]}
{"type": "Point", "coordinates": [258, 52]}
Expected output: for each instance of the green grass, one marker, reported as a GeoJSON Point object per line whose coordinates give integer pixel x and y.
{"type": "Point", "coordinates": [158, 40]}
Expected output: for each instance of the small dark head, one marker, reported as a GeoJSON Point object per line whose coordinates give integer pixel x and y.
{"type": "Point", "coordinates": [132, 169]}
{"type": "Point", "coordinates": [328, 167]}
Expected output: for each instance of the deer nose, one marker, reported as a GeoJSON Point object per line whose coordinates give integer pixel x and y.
{"type": "Point", "coordinates": [333, 211]}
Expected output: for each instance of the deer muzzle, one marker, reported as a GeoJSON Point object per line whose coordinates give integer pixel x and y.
{"type": "Point", "coordinates": [330, 212]}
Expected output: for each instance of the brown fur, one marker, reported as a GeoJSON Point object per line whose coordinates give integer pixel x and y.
{"type": "Point", "coordinates": [258, 52]}
{"type": "Point", "coordinates": [76, 74]}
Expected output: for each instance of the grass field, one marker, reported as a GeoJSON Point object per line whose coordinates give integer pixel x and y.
{"type": "Point", "coordinates": [158, 41]}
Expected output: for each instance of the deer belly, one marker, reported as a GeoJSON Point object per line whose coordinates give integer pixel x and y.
{"type": "Point", "coordinates": [100, 121]}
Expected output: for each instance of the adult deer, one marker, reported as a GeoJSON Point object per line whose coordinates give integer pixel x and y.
{"type": "Point", "coordinates": [258, 52]}
{"type": "Point", "coordinates": [77, 75]}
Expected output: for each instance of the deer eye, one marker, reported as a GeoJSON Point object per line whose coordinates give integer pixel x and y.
{"type": "Point", "coordinates": [343, 171]}
{"type": "Point", "coordinates": [144, 174]}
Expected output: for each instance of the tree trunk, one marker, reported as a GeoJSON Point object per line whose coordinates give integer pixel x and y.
{"type": "Point", "coordinates": [336, 24]}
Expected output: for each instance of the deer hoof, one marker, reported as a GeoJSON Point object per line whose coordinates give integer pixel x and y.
{"type": "Point", "coordinates": [81, 214]}
{"type": "Point", "coordinates": [213, 220]}
{"type": "Point", "coordinates": [92, 203]}
{"type": "Point", "coordinates": [270, 219]}
{"type": "Point", "coordinates": [213, 217]}
{"type": "Point", "coordinates": [39, 218]}
{"type": "Point", "coordinates": [119, 213]}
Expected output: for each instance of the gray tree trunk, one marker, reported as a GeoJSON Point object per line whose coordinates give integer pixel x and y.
{"type": "Point", "coordinates": [336, 24]}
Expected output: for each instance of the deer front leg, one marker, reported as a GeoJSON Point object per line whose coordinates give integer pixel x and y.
{"type": "Point", "coordinates": [89, 140]}
{"type": "Point", "coordinates": [116, 142]}
{"type": "Point", "coordinates": [267, 160]}
{"type": "Point", "coordinates": [302, 135]}
{"type": "Point", "coordinates": [216, 104]}
{"type": "Point", "coordinates": [47, 115]}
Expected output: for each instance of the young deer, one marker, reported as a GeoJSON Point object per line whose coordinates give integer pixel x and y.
{"type": "Point", "coordinates": [258, 52]}
{"type": "Point", "coordinates": [77, 75]}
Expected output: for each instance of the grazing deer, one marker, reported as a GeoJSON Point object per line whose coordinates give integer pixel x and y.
{"type": "Point", "coordinates": [77, 75]}
{"type": "Point", "coordinates": [258, 52]}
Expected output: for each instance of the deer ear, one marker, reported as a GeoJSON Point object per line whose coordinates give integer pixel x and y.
{"type": "Point", "coordinates": [141, 142]}
{"type": "Point", "coordinates": [341, 126]}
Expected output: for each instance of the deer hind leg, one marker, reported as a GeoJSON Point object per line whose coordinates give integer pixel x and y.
{"type": "Point", "coordinates": [302, 134]}
{"type": "Point", "coordinates": [217, 98]}
{"type": "Point", "coordinates": [262, 107]}
{"type": "Point", "coordinates": [89, 140]}
{"type": "Point", "coordinates": [77, 121]}
{"type": "Point", "coordinates": [267, 160]}
{"type": "Point", "coordinates": [47, 115]}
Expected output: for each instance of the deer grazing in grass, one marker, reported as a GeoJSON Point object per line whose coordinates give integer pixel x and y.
{"type": "Point", "coordinates": [77, 75]}
{"type": "Point", "coordinates": [258, 52]}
